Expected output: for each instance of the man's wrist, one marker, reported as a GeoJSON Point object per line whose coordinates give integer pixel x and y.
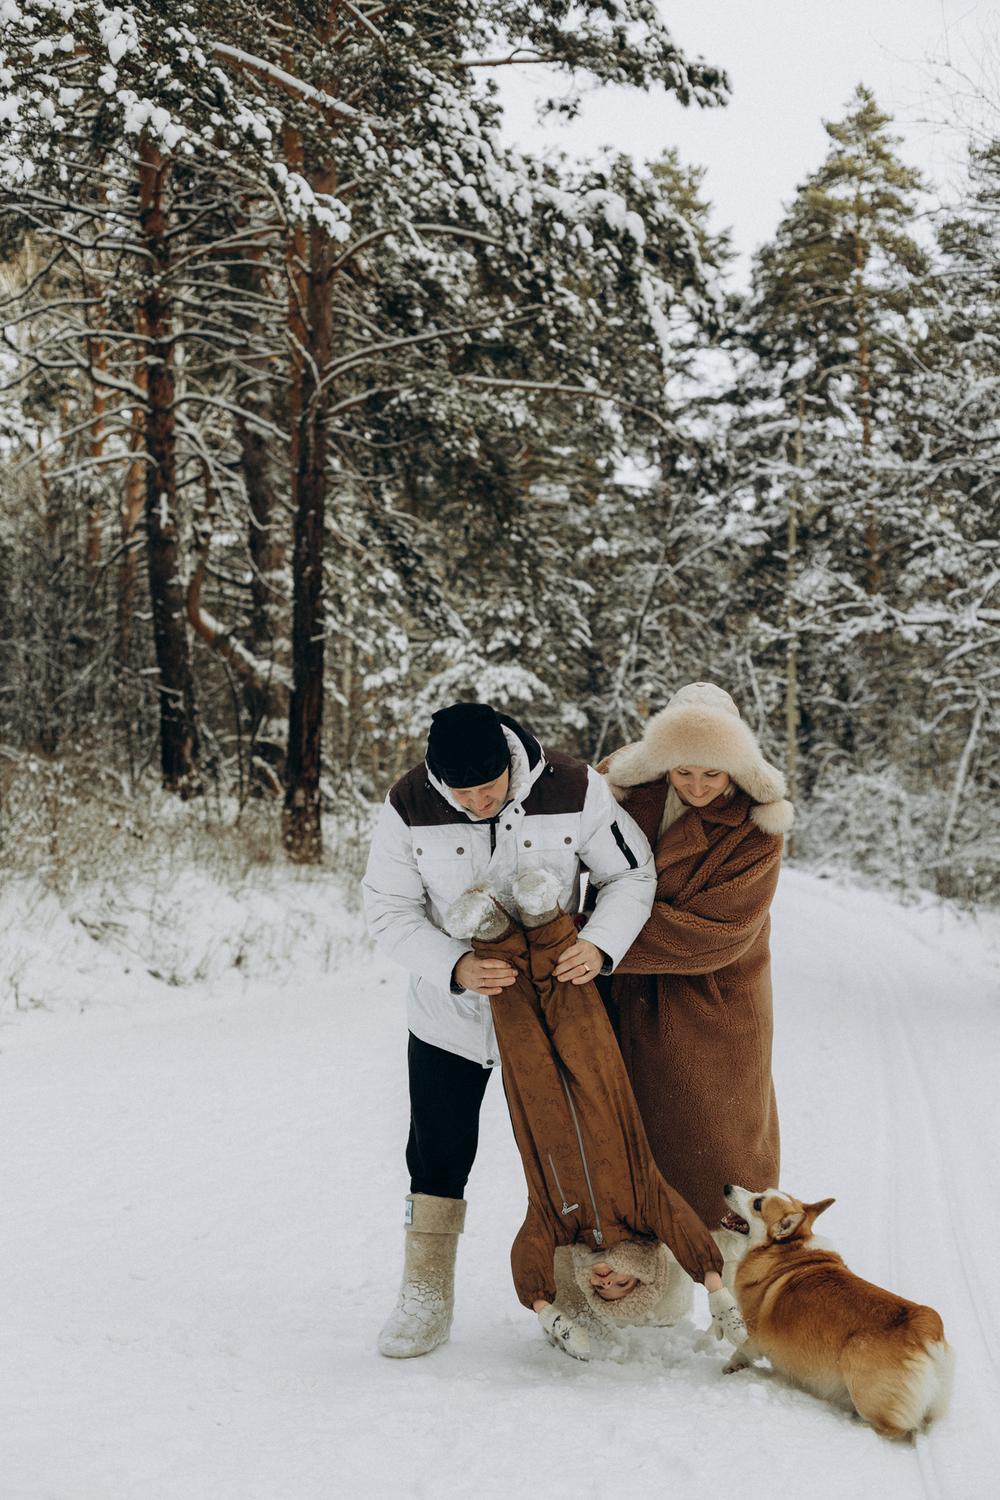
{"type": "Point", "coordinates": [457, 987]}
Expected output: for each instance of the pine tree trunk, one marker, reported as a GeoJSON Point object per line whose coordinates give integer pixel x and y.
{"type": "Point", "coordinates": [178, 727]}
{"type": "Point", "coordinates": [97, 357]}
{"type": "Point", "coordinates": [301, 823]}
{"type": "Point", "coordinates": [129, 516]}
{"type": "Point", "coordinates": [97, 361]}
{"type": "Point", "coordinates": [873, 570]}
{"type": "Point", "coordinates": [791, 564]}
{"type": "Point", "coordinates": [266, 702]}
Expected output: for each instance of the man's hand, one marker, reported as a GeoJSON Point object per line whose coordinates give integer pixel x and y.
{"type": "Point", "coordinates": [487, 976]}
{"type": "Point", "coordinates": [580, 963]}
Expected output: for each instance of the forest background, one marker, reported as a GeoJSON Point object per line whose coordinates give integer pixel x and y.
{"type": "Point", "coordinates": [325, 404]}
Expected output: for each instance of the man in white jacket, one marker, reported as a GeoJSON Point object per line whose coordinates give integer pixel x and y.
{"type": "Point", "coordinates": [486, 803]}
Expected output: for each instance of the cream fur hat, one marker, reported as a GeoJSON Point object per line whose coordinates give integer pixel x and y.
{"type": "Point", "coordinates": [701, 726]}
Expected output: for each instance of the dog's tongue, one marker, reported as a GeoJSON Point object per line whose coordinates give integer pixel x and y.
{"type": "Point", "coordinates": [735, 1222]}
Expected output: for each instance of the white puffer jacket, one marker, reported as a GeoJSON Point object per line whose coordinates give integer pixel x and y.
{"type": "Point", "coordinates": [427, 850]}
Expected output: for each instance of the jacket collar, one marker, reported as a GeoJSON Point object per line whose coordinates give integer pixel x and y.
{"type": "Point", "coordinates": [688, 835]}
{"type": "Point", "coordinates": [729, 811]}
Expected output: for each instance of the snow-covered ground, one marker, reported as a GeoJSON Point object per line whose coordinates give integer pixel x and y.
{"type": "Point", "coordinates": [201, 1183]}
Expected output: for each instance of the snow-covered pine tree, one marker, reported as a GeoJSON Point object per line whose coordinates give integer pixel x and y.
{"type": "Point", "coordinates": [364, 156]}
{"type": "Point", "coordinates": [949, 578]}
{"type": "Point", "coordinates": [833, 322]}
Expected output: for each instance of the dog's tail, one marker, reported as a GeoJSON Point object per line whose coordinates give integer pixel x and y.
{"type": "Point", "coordinates": [909, 1389]}
{"type": "Point", "coordinates": [938, 1376]}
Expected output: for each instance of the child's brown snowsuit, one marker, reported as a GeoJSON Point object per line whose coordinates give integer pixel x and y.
{"type": "Point", "coordinates": [590, 1173]}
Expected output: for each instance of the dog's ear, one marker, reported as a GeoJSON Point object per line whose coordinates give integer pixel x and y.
{"type": "Point", "coordinates": [815, 1209]}
{"type": "Point", "coordinates": [786, 1226]}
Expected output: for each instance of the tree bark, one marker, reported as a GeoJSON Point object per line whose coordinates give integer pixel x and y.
{"type": "Point", "coordinates": [97, 359]}
{"type": "Point", "coordinates": [265, 698]}
{"type": "Point", "coordinates": [178, 723]}
{"type": "Point", "coordinates": [302, 827]}
{"type": "Point", "coordinates": [873, 568]}
{"type": "Point", "coordinates": [129, 516]}
{"type": "Point", "coordinates": [791, 620]}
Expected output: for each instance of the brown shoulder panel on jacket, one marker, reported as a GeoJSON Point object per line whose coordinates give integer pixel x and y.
{"type": "Point", "coordinates": [419, 804]}
{"type": "Point", "coordinates": [561, 788]}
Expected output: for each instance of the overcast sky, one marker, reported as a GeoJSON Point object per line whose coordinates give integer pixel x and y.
{"type": "Point", "coordinates": [792, 64]}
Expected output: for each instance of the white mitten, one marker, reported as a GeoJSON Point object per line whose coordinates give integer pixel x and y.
{"type": "Point", "coordinates": [564, 1333]}
{"type": "Point", "coordinates": [727, 1320]}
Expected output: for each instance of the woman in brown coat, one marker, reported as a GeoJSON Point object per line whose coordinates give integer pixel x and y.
{"type": "Point", "coordinates": [691, 1000]}
{"type": "Point", "coordinates": [592, 1181]}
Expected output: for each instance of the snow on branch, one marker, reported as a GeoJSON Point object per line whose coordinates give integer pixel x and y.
{"type": "Point", "coordinates": [555, 388]}
{"type": "Point", "coordinates": [271, 73]}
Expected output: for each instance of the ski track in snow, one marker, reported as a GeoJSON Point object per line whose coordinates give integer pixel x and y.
{"type": "Point", "coordinates": [202, 1191]}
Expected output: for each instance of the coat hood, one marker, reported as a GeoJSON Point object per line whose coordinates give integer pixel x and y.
{"type": "Point", "coordinates": [701, 726]}
{"type": "Point", "coordinates": [648, 1262]}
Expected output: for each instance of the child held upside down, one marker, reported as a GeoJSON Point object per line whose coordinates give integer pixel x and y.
{"type": "Point", "coordinates": [590, 1251]}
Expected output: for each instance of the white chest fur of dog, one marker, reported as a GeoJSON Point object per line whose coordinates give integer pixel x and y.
{"type": "Point", "coordinates": [836, 1335]}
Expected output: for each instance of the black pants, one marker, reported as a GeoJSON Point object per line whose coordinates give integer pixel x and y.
{"type": "Point", "coordinates": [445, 1094]}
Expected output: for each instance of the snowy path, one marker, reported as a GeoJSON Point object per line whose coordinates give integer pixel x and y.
{"type": "Point", "coordinates": [201, 1195]}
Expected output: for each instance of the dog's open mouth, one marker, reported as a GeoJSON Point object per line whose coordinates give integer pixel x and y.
{"type": "Point", "coordinates": [735, 1222]}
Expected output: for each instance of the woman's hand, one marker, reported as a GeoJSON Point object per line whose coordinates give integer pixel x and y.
{"type": "Point", "coordinates": [580, 963]}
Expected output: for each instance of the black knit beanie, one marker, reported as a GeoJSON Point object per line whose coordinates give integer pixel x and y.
{"type": "Point", "coordinates": [466, 745]}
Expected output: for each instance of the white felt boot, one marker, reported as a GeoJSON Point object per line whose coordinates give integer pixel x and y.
{"type": "Point", "coordinates": [422, 1316]}
{"type": "Point", "coordinates": [477, 913]}
{"type": "Point", "coordinates": [537, 895]}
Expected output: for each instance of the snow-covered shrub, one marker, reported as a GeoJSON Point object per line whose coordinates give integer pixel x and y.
{"type": "Point", "coordinates": [873, 825]}
{"type": "Point", "coordinates": [97, 884]}
{"type": "Point", "coordinates": [863, 822]}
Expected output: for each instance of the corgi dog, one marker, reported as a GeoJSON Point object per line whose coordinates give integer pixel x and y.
{"type": "Point", "coordinates": [838, 1336]}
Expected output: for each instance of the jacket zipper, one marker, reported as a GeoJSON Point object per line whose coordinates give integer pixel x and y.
{"type": "Point", "coordinates": [598, 1232]}
{"type": "Point", "coordinates": [567, 1208]}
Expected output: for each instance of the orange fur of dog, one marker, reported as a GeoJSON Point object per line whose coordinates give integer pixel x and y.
{"type": "Point", "coordinates": [831, 1332]}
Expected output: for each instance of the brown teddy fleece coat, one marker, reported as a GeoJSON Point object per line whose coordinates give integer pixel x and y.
{"type": "Point", "coordinates": [590, 1173]}
{"type": "Point", "coordinates": [691, 1000]}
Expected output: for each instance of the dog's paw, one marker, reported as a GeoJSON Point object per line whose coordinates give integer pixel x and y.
{"type": "Point", "coordinates": [736, 1362]}
{"type": "Point", "coordinates": [476, 913]}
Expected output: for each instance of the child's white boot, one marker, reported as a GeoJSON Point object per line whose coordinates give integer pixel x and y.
{"type": "Point", "coordinates": [421, 1319]}
{"type": "Point", "coordinates": [477, 913]}
{"type": "Point", "coordinates": [537, 895]}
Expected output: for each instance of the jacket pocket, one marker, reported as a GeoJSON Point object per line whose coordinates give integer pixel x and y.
{"type": "Point", "coordinates": [547, 844]}
{"type": "Point", "coordinates": [446, 871]}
